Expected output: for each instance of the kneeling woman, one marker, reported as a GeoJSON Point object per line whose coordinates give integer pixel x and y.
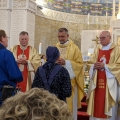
{"type": "Point", "coordinates": [52, 76]}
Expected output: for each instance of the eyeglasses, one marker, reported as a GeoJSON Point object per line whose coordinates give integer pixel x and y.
{"type": "Point", "coordinates": [103, 37]}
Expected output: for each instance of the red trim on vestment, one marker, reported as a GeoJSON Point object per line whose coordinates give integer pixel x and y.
{"type": "Point", "coordinates": [23, 84]}
{"type": "Point", "coordinates": [100, 91]}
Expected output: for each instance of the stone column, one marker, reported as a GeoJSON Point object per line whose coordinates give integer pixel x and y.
{"type": "Point", "coordinates": [113, 14]}
{"type": "Point", "coordinates": [17, 16]}
{"type": "Point", "coordinates": [5, 17]}
{"type": "Point", "coordinates": [118, 15]}
{"type": "Point", "coordinates": [22, 19]}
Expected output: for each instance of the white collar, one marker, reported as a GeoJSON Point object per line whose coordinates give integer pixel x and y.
{"type": "Point", "coordinates": [106, 47]}
{"type": "Point", "coordinates": [65, 43]}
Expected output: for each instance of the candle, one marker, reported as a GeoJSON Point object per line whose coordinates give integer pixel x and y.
{"type": "Point", "coordinates": [40, 48]}
{"type": "Point", "coordinates": [97, 33]}
{"type": "Point", "coordinates": [106, 14]}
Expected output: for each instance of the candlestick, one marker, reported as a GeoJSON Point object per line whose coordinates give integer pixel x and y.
{"type": "Point", "coordinates": [40, 48]}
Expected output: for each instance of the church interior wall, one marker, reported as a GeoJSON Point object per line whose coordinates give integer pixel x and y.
{"type": "Point", "coordinates": [42, 25]}
{"type": "Point", "coordinates": [46, 31]}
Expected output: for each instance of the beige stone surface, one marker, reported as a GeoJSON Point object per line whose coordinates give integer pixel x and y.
{"type": "Point", "coordinates": [46, 31]}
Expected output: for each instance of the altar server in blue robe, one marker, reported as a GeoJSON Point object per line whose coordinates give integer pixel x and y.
{"type": "Point", "coordinates": [9, 71]}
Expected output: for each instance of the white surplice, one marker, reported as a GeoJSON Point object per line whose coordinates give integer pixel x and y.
{"type": "Point", "coordinates": [113, 89]}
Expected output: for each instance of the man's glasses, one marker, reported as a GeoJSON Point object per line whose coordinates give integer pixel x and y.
{"type": "Point", "coordinates": [103, 37]}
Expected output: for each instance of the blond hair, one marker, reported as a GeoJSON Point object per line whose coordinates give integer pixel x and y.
{"type": "Point", "coordinates": [36, 104]}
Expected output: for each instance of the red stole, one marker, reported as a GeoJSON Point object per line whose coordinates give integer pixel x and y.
{"type": "Point", "coordinates": [23, 84]}
{"type": "Point", "coordinates": [100, 91]}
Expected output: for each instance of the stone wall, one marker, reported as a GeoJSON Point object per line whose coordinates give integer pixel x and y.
{"type": "Point", "coordinates": [48, 22]}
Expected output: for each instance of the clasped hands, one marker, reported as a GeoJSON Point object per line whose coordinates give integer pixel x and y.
{"type": "Point", "coordinates": [22, 61]}
{"type": "Point", "coordinates": [61, 61]}
{"type": "Point", "coordinates": [99, 65]}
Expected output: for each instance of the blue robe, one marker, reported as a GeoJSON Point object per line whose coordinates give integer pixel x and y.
{"type": "Point", "coordinates": [9, 71]}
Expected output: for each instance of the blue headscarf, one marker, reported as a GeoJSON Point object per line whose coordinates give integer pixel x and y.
{"type": "Point", "coordinates": [52, 54]}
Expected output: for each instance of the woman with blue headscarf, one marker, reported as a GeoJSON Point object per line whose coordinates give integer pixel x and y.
{"type": "Point", "coordinates": [52, 76]}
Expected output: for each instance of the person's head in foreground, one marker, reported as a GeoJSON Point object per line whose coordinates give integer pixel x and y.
{"type": "Point", "coordinates": [36, 104]}
{"type": "Point", "coordinates": [105, 38]}
{"type": "Point", "coordinates": [3, 38]}
{"type": "Point", "coordinates": [52, 54]}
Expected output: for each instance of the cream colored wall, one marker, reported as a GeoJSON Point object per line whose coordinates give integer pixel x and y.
{"type": "Point", "coordinates": [17, 16]}
{"type": "Point", "coordinates": [46, 31]}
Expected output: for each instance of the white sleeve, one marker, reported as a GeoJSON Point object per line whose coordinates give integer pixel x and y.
{"type": "Point", "coordinates": [91, 71]}
{"type": "Point", "coordinates": [30, 67]}
{"type": "Point", "coordinates": [108, 73]}
{"type": "Point", "coordinates": [68, 66]}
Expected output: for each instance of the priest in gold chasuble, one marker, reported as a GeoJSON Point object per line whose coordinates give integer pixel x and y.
{"type": "Point", "coordinates": [103, 93]}
{"type": "Point", "coordinates": [71, 59]}
{"type": "Point", "coordinates": [28, 61]}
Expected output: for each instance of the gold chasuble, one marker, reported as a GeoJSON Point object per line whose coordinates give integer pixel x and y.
{"type": "Point", "coordinates": [102, 94]}
{"type": "Point", "coordinates": [71, 52]}
{"type": "Point", "coordinates": [33, 58]}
